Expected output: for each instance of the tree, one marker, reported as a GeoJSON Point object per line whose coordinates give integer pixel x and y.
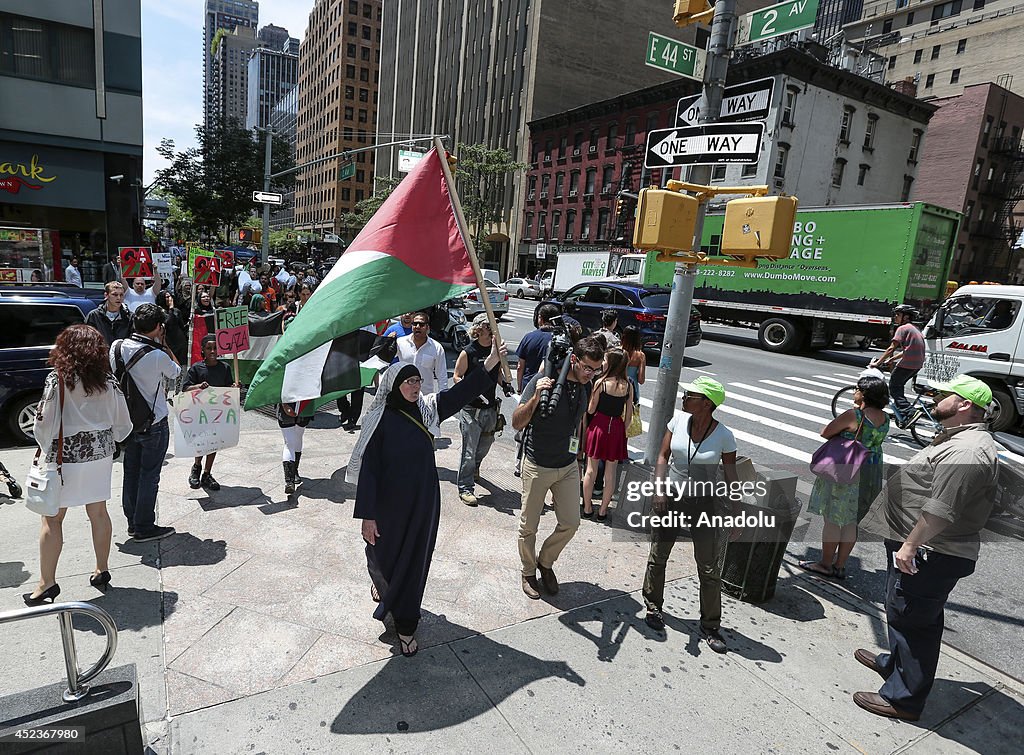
{"type": "Point", "coordinates": [352, 222]}
{"type": "Point", "coordinates": [482, 176]}
{"type": "Point", "coordinates": [213, 182]}
{"type": "Point", "coordinates": [285, 242]}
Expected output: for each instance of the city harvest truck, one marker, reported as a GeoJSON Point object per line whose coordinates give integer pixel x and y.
{"type": "Point", "coordinates": [572, 268]}
{"type": "Point", "coordinates": [979, 331]}
{"type": "Point", "coordinates": [848, 268]}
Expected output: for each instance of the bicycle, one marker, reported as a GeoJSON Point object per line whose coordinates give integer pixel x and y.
{"type": "Point", "coordinates": [922, 425]}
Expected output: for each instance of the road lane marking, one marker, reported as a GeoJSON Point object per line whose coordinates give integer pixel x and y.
{"type": "Point", "coordinates": [776, 394]}
{"type": "Point", "coordinates": [816, 383]}
{"type": "Point", "coordinates": [808, 391]}
{"type": "Point", "coordinates": [837, 381]}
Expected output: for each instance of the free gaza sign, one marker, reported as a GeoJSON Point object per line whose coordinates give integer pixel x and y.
{"type": "Point", "coordinates": [704, 145]}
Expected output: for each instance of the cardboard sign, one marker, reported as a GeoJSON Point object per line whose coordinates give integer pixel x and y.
{"type": "Point", "coordinates": [194, 250]}
{"type": "Point", "coordinates": [232, 330]}
{"type": "Point", "coordinates": [226, 257]}
{"type": "Point", "coordinates": [136, 261]}
{"type": "Point", "coordinates": [164, 265]}
{"type": "Point", "coordinates": [206, 271]}
{"type": "Point", "coordinates": [205, 421]}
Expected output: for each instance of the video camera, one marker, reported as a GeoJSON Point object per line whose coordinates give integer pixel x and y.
{"type": "Point", "coordinates": [556, 363]}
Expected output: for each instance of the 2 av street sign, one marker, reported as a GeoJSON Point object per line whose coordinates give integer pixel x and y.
{"type": "Point", "coordinates": [675, 57]}
{"type": "Point", "coordinates": [784, 18]}
{"type": "Point", "coordinates": [267, 197]}
{"type": "Point", "coordinates": [704, 145]}
{"type": "Point", "coordinates": [749, 101]}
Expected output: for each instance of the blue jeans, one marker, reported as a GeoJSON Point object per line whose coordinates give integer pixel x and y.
{"type": "Point", "coordinates": [477, 427]}
{"type": "Point", "coordinates": [143, 458]}
{"type": "Point", "coordinates": [897, 389]}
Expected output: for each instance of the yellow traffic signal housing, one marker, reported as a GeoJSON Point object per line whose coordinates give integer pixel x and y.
{"type": "Point", "coordinates": [250, 236]}
{"type": "Point", "coordinates": [759, 227]}
{"type": "Point", "coordinates": [665, 220]}
{"type": "Point", "coordinates": [692, 11]}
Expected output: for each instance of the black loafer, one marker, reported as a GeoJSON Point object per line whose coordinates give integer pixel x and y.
{"type": "Point", "coordinates": [655, 621]}
{"type": "Point", "coordinates": [715, 641]}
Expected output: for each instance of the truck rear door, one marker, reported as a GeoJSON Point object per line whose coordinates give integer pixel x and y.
{"type": "Point", "coordinates": [975, 335]}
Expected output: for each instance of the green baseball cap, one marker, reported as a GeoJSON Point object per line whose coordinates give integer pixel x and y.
{"type": "Point", "coordinates": [969, 388]}
{"type": "Point", "coordinates": [705, 386]}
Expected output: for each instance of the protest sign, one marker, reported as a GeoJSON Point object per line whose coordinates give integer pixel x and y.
{"type": "Point", "coordinates": [194, 250]}
{"type": "Point", "coordinates": [205, 421]}
{"type": "Point", "coordinates": [136, 261]}
{"type": "Point", "coordinates": [232, 330]}
{"type": "Point", "coordinates": [206, 271]}
{"type": "Point", "coordinates": [226, 257]}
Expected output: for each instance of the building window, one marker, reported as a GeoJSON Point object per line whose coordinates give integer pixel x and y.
{"type": "Point", "coordinates": [574, 183]}
{"type": "Point", "coordinates": [910, 18]}
{"type": "Point", "coordinates": [915, 145]}
{"type": "Point", "coordinates": [838, 169]}
{"type": "Point", "coordinates": [545, 182]}
{"type": "Point", "coordinates": [749, 170]}
{"type": "Point", "coordinates": [949, 9]}
{"type": "Point", "coordinates": [917, 55]}
{"type": "Point", "coordinates": [978, 167]}
{"type": "Point", "coordinates": [869, 132]}
{"type": "Point", "coordinates": [630, 131]}
{"type": "Point", "coordinates": [887, 26]}
{"type": "Point", "coordinates": [961, 47]}
{"type": "Point", "coordinates": [542, 226]}
{"type": "Point", "coordinates": [789, 107]}
{"type": "Point", "coordinates": [718, 173]}
{"type": "Point", "coordinates": [531, 187]}
{"type": "Point", "coordinates": [602, 223]}
{"type": "Point", "coordinates": [350, 51]}
{"type": "Point", "coordinates": [892, 62]}
{"type": "Point", "coordinates": [780, 161]}
{"type": "Point", "coordinates": [846, 124]}
{"type": "Point", "coordinates": [595, 135]}
{"type": "Point", "coordinates": [559, 180]}
{"type": "Point", "coordinates": [1001, 131]}
{"type": "Point", "coordinates": [563, 145]}
{"type": "Point", "coordinates": [613, 135]}
{"type": "Point", "coordinates": [46, 51]}
{"type": "Point", "coordinates": [929, 81]}
{"type": "Point", "coordinates": [862, 174]}
{"type": "Point", "coordinates": [935, 52]}
{"type": "Point", "coordinates": [969, 212]}
{"type": "Point", "coordinates": [585, 230]}
{"type": "Point", "coordinates": [556, 223]}
{"type": "Point", "coordinates": [989, 120]}
{"type": "Point", "coordinates": [577, 143]}
{"type": "Point", "coordinates": [652, 121]}
{"type": "Point", "coordinates": [591, 179]}
{"type": "Point", "coordinates": [908, 183]}
{"type": "Point", "coordinates": [954, 76]}
{"type": "Point", "coordinates": [528, 231]}
{"type": "Point", "coordinates": [570, 223]}
{"type": "Point", "coordinates": [979, 4]}
{"type": "Point", "coordinates": [607, 177]}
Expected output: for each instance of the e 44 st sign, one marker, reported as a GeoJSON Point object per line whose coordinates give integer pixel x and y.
{"type": "Point", "coordinates": [776, 20]}
{"type": "Point", "coordinates": [675, 57]}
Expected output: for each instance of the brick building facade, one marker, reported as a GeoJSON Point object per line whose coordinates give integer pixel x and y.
{"type": "Point", "coordinates": [973, 161]}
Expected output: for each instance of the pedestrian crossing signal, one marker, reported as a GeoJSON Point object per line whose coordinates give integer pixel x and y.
{"type": "Point", "coordinates": [692, 11]}
{"type": "Point", "coordinates": [249, 236]}
{"type": "Point", "coordinates": [759, 227]}
{"type": "Point", "coordinates": [665, 220]}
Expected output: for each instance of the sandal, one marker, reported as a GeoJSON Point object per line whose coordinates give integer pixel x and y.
{"type": "Point", "coordinates": [374, 594]}
{"type": "Point", "coordinates": [839, 572]}
{"type": "Point", "coordinates": [407, 646]}
{"type": "Point", "coordinates": [814, 567]}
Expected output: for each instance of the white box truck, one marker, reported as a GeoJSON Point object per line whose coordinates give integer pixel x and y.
{"type": "Point", "coordinates": [979, 331]}
{"type": "Point", "coordinates": [572, 268]}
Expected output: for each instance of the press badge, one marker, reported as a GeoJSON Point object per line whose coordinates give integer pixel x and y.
{"type": "Point", "coordinates": [574, 444]}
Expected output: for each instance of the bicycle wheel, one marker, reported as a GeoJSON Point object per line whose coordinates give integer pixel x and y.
{"type": "Point", "coordinates": [843, 400]}
{"type": "Point", "coordinates": [924, 429]}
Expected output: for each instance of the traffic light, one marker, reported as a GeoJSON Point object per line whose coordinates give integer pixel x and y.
{"type": "Point", "coordinates": [621, 209]}
{"type": "Point", "coordinates": [759, 227]}
{"type": "Point", "coordinates": [249, 236]}
{"type": "Point", "coordinates": [665, 220]}
{"type": "Point", "coordinates": [692, 11]}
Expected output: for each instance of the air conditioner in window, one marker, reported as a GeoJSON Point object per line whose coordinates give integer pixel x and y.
{"type": "Point", "coordinates": [593, 148]}
{"type": "Point", "coordinates": [573, 192]}
{"type": "Point", "coordinates": [547, 158]}
{"type": "Point", "coordinates": [531, 196]}
{"type": "Point", "coordinates": [568, 234]}
{"type": "Point", "coordinates": [779, 183]}
{"type": "Point", "coordinates": [543, 195]}
{"type": "Point", "coordinates": [584, 236]}
{"type": "Point", "coordinates": [606, 190]}
{"type": "Point", "coordinates": [575, 153]}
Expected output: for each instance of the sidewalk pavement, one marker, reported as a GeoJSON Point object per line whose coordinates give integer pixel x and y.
{"type": "Point", "coordinates": [252, 631]}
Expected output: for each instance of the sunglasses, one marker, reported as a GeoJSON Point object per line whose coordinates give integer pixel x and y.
{"type": "Point", "coordinates": [419, 325]}
{"type": "Point", "coordinates": [690, 394]}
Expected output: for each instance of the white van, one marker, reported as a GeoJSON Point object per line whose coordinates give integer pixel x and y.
{"type": "Point", "coordinates": [979, 331]}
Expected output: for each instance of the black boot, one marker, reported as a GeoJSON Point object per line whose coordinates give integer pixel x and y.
{"type": "Point", "coordinates": [289, 476]}
{"type": "Point", "coordinates": [298, 457]}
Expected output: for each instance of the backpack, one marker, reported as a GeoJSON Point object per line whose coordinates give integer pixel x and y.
{"type": "Point", "coordinates": [139, 407]}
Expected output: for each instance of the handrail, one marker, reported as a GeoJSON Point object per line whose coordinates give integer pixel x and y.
{"type": "Point", "coordinates": [76, 682]}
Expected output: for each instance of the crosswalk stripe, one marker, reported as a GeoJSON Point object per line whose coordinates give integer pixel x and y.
{"type": "Point", "coordinates": [851, 378]}
{"type": "Point", "coordinates": [776, 394]}
{"type": "Point", "coordinates": [815, 383]}
{"type": "Point", "coordinates": [822, 421]}
{"type": "Point", "coordinates": [792, 429]}
{"type": "Point", "coordinates": [797, 388]}
{"type": "Point", "coordinates": [837, 381]}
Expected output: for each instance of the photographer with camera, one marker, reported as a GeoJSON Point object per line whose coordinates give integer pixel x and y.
{"type": "Point", "coordinates": [551, 411]}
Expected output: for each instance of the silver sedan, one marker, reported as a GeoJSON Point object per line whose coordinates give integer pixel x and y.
{"type": "Point", "coordinates": [522, 288]}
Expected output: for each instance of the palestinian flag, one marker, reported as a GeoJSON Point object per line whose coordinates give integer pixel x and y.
{"type": "Point", "coordinates": [264, 331]}
{"type": "Point", "coordinates": [411, 255]}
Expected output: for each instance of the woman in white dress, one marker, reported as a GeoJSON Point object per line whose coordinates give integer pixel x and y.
{"type": "Point", "coordinates": [94, 415]}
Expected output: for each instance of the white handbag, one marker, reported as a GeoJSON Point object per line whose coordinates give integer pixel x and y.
{"type": "Point", "coordinates": [43, 484]}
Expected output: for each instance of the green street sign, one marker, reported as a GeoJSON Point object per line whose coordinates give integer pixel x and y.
{"type": "Point", "coordinates": [784, 18]}
{"type": "Point", "coordinates": [675, 57]}
{"type": "Point", "coordinates": [347, 171]}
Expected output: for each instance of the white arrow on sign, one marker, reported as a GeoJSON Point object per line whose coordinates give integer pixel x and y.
{"type": "Point", "coordinates": [742, 102]}
{"type": "Point", "coordinates": [709, 144]}
{"type": "Point", "coordinates": [267, 197]}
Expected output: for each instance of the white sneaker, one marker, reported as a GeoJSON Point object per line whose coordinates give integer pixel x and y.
{"type": "Point", "coordinates": [468, 498]}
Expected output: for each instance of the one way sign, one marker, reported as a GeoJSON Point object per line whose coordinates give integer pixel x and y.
{"type": "Point", "coordinates": [749, 101]}
{"type": "Point", "coordinates": [704, 145]}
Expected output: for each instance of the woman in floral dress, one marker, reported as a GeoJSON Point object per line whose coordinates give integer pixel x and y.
{"type": "Point", "coordinates": [843, 506]}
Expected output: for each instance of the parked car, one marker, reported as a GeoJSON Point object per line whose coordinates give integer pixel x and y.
{"type": "Point", "coordinates": [32, 317]}
{"type": "Point", "coordinates": [498, 297]}
{"type": "Point", "coordinates": [645, 307]}
{"type": "Point", "coordinates": [522, 288]}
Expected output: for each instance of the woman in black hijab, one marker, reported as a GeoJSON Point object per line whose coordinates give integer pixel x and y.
{"type": "Point", "coordinates": [398, 496]}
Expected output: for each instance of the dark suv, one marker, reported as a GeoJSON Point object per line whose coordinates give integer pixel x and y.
{"type": "Point", "coordinates": [30, 319]}
{"type": "Point", "coordinates": [645, 307]}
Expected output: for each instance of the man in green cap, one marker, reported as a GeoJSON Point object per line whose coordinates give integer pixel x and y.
{"type": "Point", "coordinates": [930, 513]}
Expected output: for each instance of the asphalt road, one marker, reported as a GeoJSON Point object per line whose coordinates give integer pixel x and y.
{"type": "Point", "coordinates": [776, 406]}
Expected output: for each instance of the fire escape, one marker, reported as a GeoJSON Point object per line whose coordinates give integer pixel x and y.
{"type": "Point", "coordinates": [1002, 229]}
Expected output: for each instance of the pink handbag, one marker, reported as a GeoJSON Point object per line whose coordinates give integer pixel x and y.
{"type": "Point", "coordinates": [839, 459]}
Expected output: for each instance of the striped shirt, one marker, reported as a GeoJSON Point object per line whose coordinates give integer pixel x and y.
{"type": "Point", "coordinates": [912, 342]}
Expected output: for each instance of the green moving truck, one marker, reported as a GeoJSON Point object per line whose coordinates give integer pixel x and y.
{"type": "Point", "coordinates": [849, 266]}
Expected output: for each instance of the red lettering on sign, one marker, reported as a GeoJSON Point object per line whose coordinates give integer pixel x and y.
{"type": "Point", "coordinates": [980, 348]}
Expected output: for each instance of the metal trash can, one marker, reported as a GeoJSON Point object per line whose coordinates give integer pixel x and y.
{"type": "Point", "coordinates": [750, 569]}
